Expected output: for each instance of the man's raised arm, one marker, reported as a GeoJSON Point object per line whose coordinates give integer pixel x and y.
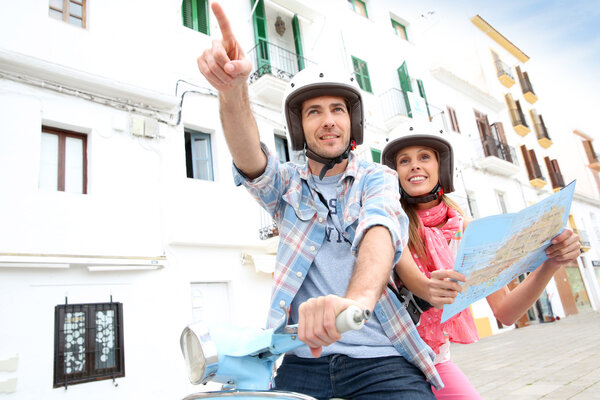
{"type": "Point", "coordinates": [226, 68]}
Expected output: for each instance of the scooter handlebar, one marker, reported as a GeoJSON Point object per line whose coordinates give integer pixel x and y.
{"type": "Point", "coordinates": [352, 318]}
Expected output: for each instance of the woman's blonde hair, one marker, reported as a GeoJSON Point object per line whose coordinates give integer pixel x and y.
{"type": "Point", "coordinates": [415, 243]}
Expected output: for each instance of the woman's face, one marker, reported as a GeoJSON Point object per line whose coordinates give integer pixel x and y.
{"type": "Point", "coordinates": [418, 170]}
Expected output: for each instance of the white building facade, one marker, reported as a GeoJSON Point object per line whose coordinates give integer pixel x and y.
{"type": "Point", "coordinates": [122, 222]}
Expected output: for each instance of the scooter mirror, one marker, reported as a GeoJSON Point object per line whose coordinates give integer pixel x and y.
{"type": "Point", "coordinates": [199, 352]}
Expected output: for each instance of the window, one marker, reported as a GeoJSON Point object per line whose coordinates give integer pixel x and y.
{"type": "Point", "coordinates": [399, 29]}
{"type": "Point", "coordinates": [195, 15]}
{"type": "Point", "coordinates": [501, 202]}
{"type": "Point", "coordinates": [453, 120]}
{"type": "Point", "coordinates": [88, 343]}
{"type": "Point", "coordinates": [210, 302]}
{"type": "Point", "coordinates": [533, 168]}
{"type": "Point", "coordinates": [70, 11]}
{"type": "Point", "coordinates": [472, 202]}
{"type": "Point", "coordinates": [198, 155]}
{"type": "Point", "coordinates": [376, 155]}
{"type": "Point", "coordinates": [359, 7]}
{"type": "Point", "coordinates": [63, 161]}
{"type": "Point", "coordinates": [281, 148]}
{"type": "Point", "coordinates": [362, 74]}
{"type": "Point", "coordinates": [556, 178]}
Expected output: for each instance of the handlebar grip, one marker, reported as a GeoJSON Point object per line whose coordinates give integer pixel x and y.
{"type": "Point", "coordinates": [352, 318]}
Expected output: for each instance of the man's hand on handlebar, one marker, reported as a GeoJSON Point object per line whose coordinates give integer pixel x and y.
{"type": "Point", "coordinates": [316, 321]}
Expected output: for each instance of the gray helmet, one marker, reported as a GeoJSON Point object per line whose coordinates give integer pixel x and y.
{"type": "Point", "coordinates": [318, 81]}
{"type": "Point", "coordinates": [432, 140]}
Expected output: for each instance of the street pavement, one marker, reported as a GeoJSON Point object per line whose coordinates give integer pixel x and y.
{"type": "Point", "coordinates": [551, 361]}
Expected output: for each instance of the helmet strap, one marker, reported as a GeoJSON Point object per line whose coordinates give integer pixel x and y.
{"type": "Point", "coordinates": [435, 194]}
{"type": "Point", "coordinates": [328, 163]}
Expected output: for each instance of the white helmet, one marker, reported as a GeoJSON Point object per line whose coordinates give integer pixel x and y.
{"type": "Point", "coordinates": [318, 81]}
{"type": "Point", "coordinates": [433, 140]}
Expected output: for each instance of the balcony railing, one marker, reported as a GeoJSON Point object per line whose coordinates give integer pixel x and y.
{"type": "Point", "coordinates": [268, 58]}
{"type": "Point", "coordinates": [496, 148]}
{"type": "Point", "coordinates": [504, 75]}
{"type": "Point", "coordinates": [393, 103]}
{"type": "Point", "coordinates": [519, 122]}
{"type": "Point", "coordinates": [528, 92]}
{"type": "Point", "coordinates": [268, 226]}
{"type": "Point", "coordinates": [542, 134]}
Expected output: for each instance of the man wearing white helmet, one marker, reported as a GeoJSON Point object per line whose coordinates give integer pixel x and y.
{"type": "Point", "coordinates": [341, 231]}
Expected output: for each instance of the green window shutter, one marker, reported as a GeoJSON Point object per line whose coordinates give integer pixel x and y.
{"type": "Point", "coordinates": [298, 42]}
{"type": "Point", "coordinates": [194, 14]}
{"type": "Point", "coordinates": [376, 155]}
{"type": "Point", "coordinates": [361, 72]}
{"type": "Point", "coordinates": [423, 95]}
{"type": "Point", "coordinates": [186, 14]}
{"type": "Point", "coordinates": [260, 35]}
{"type": "Point", "coordinates": [406, 85]}
{"type": "Point", "coordinates": [202, 16]}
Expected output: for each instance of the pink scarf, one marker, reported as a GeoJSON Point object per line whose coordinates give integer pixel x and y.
{"type": "Point", "coordinates": [460, 328]}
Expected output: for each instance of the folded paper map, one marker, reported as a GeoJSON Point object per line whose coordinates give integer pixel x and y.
{"type": "Point", "coordinates": [496, 249]}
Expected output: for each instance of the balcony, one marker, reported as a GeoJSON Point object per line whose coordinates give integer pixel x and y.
{"type": "Point", "coordinates": [542, 135]}
{"type": "Point", "coordinates": [504, 75]}
{"type": "Point", "coordinates": [394, 107]}
{"type": "Point", "coordinates": [518, 120]}
{"type": "Point", "coordinates": [528, 92]}
{"type": "Point", "coordinates": [268, 226]}
{"type": "Point", "coordinates": [272, 68]}
{"type": "Point", "coordinates": [536, 179]}
{"type": "Point", "coordinates": [497, 157]}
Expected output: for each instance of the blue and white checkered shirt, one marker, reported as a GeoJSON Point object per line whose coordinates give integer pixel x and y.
{"type": "Point", "coordinates": [368, 195]}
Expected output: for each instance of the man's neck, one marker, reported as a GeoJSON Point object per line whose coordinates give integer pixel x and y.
{"type": "Point", "coordinates": [315, 168]}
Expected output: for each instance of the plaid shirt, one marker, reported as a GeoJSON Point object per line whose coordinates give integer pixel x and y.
{"type": "Point", "coordinates": [368, 195]}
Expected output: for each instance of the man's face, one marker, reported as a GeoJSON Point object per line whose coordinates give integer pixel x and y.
{"type": "Point", "coordinates": [326, 125]}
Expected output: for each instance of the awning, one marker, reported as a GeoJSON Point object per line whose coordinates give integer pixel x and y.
{"type": "Point", "coordinates": [261, 262]}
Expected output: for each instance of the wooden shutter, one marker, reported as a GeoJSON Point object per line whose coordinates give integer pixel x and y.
{"type": "Point", "coordinates": [589, 151]}
{"type": "Point", "coordinates": [186, 14]}
{"type": "Point", "coordinates": [520, 111]}
{"type": "Point", "coordinates": [551, 172]}
{"type": "Point", "coordinates": [405, 82]}
{"type": "Point", "coordinates": [527, 160]}
{"type": "Point", "coordinates": [559, 178]}
{"type": "Point", "coordinates": [423, 95]}
{"type": "Point", "coordinates": [534, 163]}
{"type": "Point", "coordinates": [260, 34]}
{"type": "Point", "coordinates": [405, 85]}
{"type": "Point", "coordinates": [202, 16]}
{"type": "Point", "coordinates": [298, 42]}
{"type": "Point", "coordinates": [453, 119]}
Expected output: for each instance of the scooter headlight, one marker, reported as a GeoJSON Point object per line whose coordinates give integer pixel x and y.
{"type": "Point", "coordinates": [199, 352]}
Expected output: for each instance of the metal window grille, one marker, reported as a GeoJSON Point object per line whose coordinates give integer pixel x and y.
{"type": "Point", "coordinates": [88, 343]}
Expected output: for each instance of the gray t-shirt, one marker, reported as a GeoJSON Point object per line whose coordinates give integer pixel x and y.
{"type": "Point", "coordinates": [330, 273]}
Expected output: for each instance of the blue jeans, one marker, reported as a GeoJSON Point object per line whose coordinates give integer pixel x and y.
{"type": "Point", "coordinates": [338, 375]}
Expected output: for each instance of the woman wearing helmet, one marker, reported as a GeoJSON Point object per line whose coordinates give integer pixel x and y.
{"type": "Point", "coordinates": [425, 167]}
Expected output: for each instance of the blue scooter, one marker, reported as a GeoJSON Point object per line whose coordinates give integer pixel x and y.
{"type": "Point", "coordinates": [243, 359]}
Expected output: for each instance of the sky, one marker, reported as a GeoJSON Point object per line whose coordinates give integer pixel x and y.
{"type": "Point", "coordinates": [562, 39]}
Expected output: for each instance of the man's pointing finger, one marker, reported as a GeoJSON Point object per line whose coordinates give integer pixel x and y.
{"type": "Point", "coordinates": [225, 27]}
